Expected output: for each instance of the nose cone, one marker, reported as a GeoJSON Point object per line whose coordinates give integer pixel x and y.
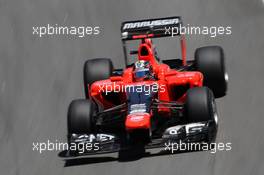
{"type": "Point", "coordinates": [138, 121]}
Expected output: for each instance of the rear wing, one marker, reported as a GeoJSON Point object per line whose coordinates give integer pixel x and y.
{"type": "Point", "coordinates": [150, 28]}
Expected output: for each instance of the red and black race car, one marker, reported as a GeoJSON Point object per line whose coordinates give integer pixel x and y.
{"type": "Point", "coordinates": [150, 102]}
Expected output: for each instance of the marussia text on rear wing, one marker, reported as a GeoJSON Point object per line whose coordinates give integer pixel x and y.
{"type": "Point", "coordinates": [149, 28]}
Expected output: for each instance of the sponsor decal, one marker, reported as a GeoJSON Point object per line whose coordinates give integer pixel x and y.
{"type": "Point", "coordinates": [137, 118]}
{"type": "Point", "coordinates": [138, 108]}
{"type": "Point", "coordinates": [150, 23]}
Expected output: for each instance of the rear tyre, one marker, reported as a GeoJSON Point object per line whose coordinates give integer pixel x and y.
{"type": "Point", "coordinates": [210, 61]}
{"type": "Point", "coordinates": [95, 70]}
{"type": "Point", "coordinates": [80, 114]}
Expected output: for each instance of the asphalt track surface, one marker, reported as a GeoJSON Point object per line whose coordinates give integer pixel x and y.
{"type": "Point", "coordinates": [40, 76]}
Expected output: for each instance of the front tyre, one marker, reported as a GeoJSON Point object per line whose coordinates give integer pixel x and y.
{"type": "Point", "coordinates": [200, 107]}
{"type": "Point", "coordinates": [80, 113]}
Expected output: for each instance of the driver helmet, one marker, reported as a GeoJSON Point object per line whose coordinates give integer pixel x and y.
{"type": "Point", "coordinates": [142, 70]}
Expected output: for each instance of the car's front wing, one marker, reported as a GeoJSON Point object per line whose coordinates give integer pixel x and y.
{"type": "Point", "coordinates": [108, 143]}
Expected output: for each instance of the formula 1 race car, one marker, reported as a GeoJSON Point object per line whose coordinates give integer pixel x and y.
{"type": "Point", "coordinates": [150, 102]}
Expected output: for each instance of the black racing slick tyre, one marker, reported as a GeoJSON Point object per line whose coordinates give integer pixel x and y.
{"type": "Point", "coordinates": [95, 70]}
{"type": "Point", "coordinates": [80, 113]}
{"type": "Point", "coordinates": [200, 105]}
{"type": "Point", "coordinates": [210, 61]}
